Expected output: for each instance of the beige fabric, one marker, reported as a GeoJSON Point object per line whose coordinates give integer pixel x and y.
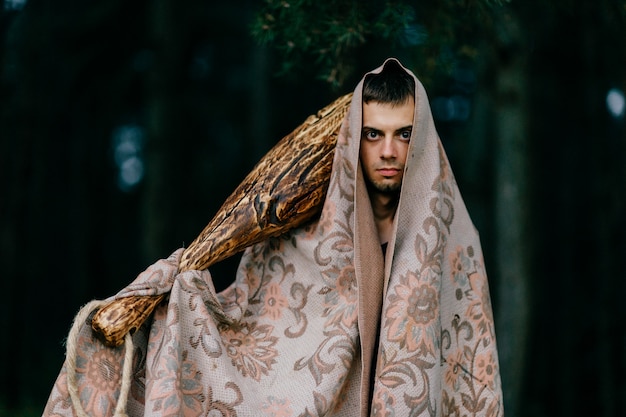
{"type": "Point", "coordinates": [296, 333]}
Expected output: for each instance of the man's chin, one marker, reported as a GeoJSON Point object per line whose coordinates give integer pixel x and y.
{"type": "Point", "coordinates": [385, 187]}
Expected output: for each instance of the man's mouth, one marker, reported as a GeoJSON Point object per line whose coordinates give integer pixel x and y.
{"type": "Point", "coordinates": [388, 172]}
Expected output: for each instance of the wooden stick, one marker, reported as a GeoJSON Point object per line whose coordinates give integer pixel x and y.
{"type": "Point", "coordinates": [284, 190]}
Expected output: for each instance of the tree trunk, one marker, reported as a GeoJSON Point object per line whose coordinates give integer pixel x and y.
{"type": "Point", "coordinates": [510, 201]}
{"type": "Point", "coordinates": [162, 87]}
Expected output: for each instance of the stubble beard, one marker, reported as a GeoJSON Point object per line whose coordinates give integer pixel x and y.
{"type": "Point", "coordinates": [388, 189]}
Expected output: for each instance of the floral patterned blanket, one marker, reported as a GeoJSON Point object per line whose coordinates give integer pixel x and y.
{"type": "Point", "coordinates": [310, 313]}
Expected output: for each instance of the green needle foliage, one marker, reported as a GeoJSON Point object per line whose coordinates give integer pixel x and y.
{"type": "Point", "coordinates": [332, 34]}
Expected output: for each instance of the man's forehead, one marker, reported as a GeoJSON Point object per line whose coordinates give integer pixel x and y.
{"type": "Point", "coordinates": [377, 113]}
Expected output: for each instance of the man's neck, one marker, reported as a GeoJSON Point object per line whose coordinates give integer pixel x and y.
{"type": "Point", "coordinates": [384, 208]}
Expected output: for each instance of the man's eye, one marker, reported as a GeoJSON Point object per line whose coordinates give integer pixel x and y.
{"type": "Point", "coordinates": [405, 135]}
{"type": "Point", "coordinates": [371, 135]}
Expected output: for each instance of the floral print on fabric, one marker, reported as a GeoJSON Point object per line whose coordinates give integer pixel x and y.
{"type": "Point", "coordinates": [100, 371]}
{"type": "Point", "coordinates": [411, 319]}
{"type": "Point", "coordinates": [425, 327]}
{"type": "Point", "coordinates": [287, 337]}
{"type": "Point", "coordinates": [341, 301]}
{"type": "Point", "coordinates": [471, 363]}
{"type": "Point", "coordinates": [61, 404]}
{"type": "Point", "coordinates": [98, 375]}
{"type": "Point", "coordinates": [274, 302]}
{"type": "Point", "coordinates": [275, 407]}
{"type": "Point", "coordinates": [178, 389]}
{"type": "Point", "coordinates": [251, 349]}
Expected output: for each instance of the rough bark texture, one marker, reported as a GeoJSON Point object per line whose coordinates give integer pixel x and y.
{"type": "Point", "coordinates": [284, 190]}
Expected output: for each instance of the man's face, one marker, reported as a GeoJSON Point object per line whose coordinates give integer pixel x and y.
{"type": "Point", "coordinates": [385, 143]}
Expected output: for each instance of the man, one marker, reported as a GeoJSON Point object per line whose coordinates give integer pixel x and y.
{"type": "Point", "coordinates": [321, 321]}
{"type": "Point", "coordinates": [388, 107]}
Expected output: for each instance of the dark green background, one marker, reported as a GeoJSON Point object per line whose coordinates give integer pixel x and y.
{"type": "Point", "coordinates": [209, 102]}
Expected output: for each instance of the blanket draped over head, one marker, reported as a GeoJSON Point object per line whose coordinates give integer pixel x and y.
{"type": "Point", "coordinates": [318, 321]}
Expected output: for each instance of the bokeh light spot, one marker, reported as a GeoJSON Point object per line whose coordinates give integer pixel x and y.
{"type": "Point", "coordinates": [14, 4]}
{"type": "Point", "coordinates": [128, 156]}
{"type": "Point", "coordinates": [615, 102]}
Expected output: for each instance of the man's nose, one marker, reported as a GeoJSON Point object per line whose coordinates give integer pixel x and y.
{"type": "Point", "coordinates": [388, 150]}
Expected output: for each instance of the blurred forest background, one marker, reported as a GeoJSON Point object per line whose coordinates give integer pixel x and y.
{"type": "Point", "coordinates": [124, 126]}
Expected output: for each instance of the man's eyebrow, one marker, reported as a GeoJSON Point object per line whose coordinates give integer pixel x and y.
{"type": "Point", "coordinates": [370, 129]}
{"type": "Point", "coordinates": [379, 131]}
{"type": "Point", "coordinates": [407, 127]}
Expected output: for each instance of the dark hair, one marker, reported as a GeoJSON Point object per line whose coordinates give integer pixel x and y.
{"type": "Point", "coordinates": [392, 85]}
